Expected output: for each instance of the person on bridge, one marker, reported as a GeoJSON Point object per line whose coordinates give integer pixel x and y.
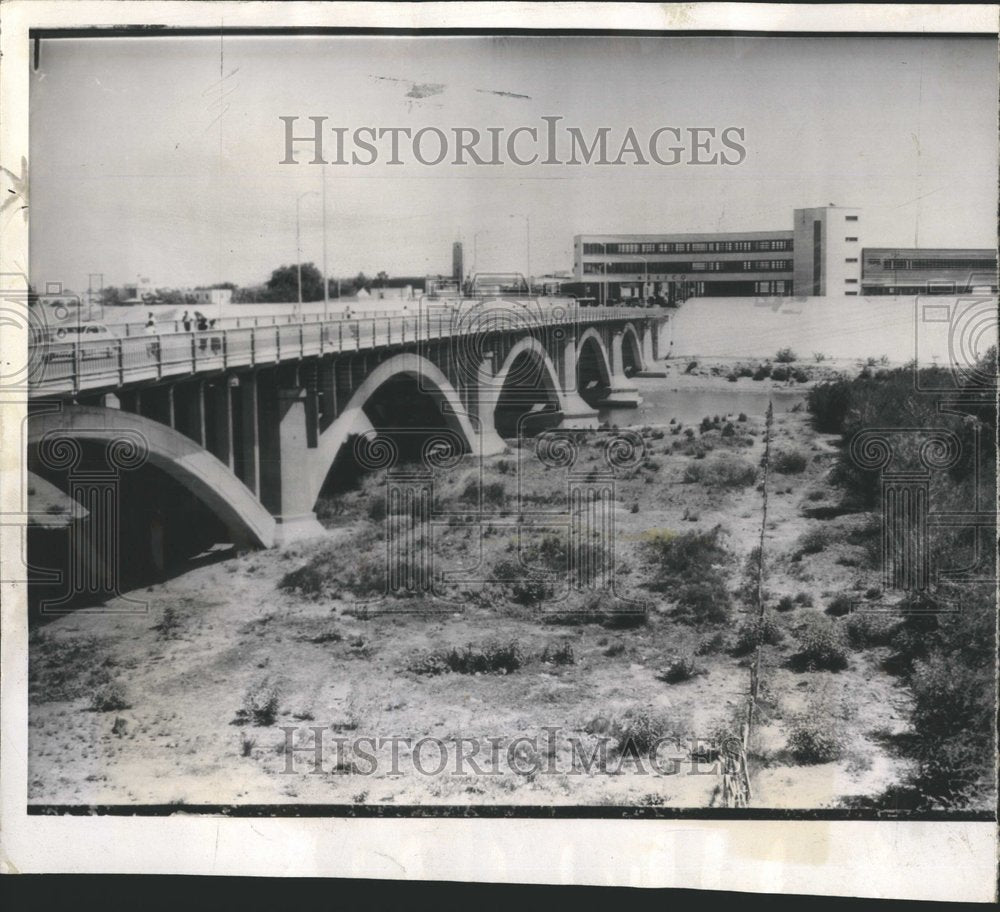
{"type": "Point", "coordinates": [150, 324]}
{"type": "Point", "coordinates": [186, 320]}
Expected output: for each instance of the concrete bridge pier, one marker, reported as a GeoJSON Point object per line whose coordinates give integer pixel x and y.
{"type": "Point", "coordinates": [621, 390]}
{"type": "Point", "coordinates": [285, 461]}
{"type": "Point", "coordinates": [577, 414]}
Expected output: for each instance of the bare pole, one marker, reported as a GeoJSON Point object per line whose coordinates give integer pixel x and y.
{"type": "Point", "coordinates": [326, 280]}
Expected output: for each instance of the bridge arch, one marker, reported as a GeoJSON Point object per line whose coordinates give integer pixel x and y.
{"type": "Point", "coordinates": [631, 354]}
{"type": "Point", "coordinates": [527, 377]}
{"type": "Point", "coordinates": [353, 419]}
{"type": "Point", "coordinates": [593, 366]}
{"type": "Point", "coordinates": [193, 467]}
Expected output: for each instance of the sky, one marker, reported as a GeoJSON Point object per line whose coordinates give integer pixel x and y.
{"type": "Point", "coordinates": [160, 157]}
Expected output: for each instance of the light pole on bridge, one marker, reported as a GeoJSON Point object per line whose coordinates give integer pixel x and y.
{"type": "Point", "coordinates": [298, 244]}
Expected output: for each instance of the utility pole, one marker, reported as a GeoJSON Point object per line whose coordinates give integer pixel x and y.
{"type": "Point", "coordinates": [326, 280]}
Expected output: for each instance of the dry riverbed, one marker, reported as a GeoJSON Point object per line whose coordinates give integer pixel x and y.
{"type": "Point", "coordinates": [187, 701]}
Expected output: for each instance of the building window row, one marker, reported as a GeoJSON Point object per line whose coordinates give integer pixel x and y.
{"type": "Point", "coordinates": [935, 263]}
{"type": "Point", "coordinates": [593, 248]}
{"type": "Point", "coordinates": [639, 267]}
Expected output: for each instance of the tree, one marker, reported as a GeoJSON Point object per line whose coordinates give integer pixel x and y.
{"type": "Point", "coordinates": [382, 277]}
{"type": "Point", "coordinates": [362, 282]}
{"type": "Point", "coordinates": [283, 286]}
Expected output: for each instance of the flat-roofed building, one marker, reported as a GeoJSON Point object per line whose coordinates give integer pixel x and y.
{"type": "Point", "coordinates": [821, 256]}
{"type": "Point", "coordinates": [926, 270]}
{"type": "Point", "coordinates": [680, 265]}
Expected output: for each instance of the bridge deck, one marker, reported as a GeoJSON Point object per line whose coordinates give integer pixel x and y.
{"type": "Point", "coordinates": [70, 367]}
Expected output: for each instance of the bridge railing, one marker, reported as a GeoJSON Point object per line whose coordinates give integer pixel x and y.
{"type": "Point", "coordinates": [108, 362]}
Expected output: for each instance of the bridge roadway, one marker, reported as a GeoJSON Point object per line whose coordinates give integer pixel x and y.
{"type": "Point", "coordinates": [61, 368]}
{"type": "Point", "coordinates": [250, 420]}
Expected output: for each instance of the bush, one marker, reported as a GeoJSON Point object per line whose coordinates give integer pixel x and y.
{"type": "Point", "coordinates": [821, 646]}
{"type": "Point", "coordinates": [722, 471]}
{"type": "Point", "coordinates": [871, 628]}
{"type": "Point", "coordinates": [762, 372]}
{"type": "Point", "coordinates": [789, 462]}
{"type": "Point", "coordinates": [681, 669]}
{"type": "Point", "coordinates": [764, 630]}
{"type": "Point", "coordinates": [780, 373]}
{"type": "Point", "coordinates": [640, 730]}
{"type": "Point", "coordinates": [800, 375]}
{"type": "Point", "coordinates": [493, 658]}
{"type": "Point", "coordinates": [558, 655]}
{"type": "Point", "coordinates": [829, 404]}
{"type": "Point", "coordinates": [109, 697]}
{"type": "Point", "coordinates": [785, 356]}
{"type": "Point", "coordinates": [785, 603]}
{"type": "Point", "coordinates": [840, 605]}
{"type": "Point", "coordinates": [704, 602]}
{"type": "Point", "coordinates": [804, 599]}
{"type": "Point", "coordinates": [260, 703]}
{"type": "Point", "coordinates": [601, 606]}
{"type": "Point", "coordinates": [816, 739]}
{"type": "Point", "coordinates": [811, 542]}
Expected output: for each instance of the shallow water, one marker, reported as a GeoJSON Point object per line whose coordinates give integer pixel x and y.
{"type": "Point", "coordinates": [661, 402]}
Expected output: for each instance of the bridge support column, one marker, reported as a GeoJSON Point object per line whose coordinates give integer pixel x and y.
{"type": "Point", "coordinates": [621, 392]}
{"type": "Point", "coordinates": [284, 463]}
{"type": "Point", "coordinates": [219, 422]}
{"type": "Point", "coordinates": [648, 344]}
{"type": "Point", "coordinates": [485, 398]}
{"type": "Point", "coordinates": [576, 412]}
{"type": "Point", "coordinates": [247, 441]}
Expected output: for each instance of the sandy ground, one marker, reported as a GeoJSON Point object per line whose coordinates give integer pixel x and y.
{"type": "Point", "coordinates": [216, 632]}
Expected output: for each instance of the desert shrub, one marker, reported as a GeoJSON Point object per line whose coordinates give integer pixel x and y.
{"type": "Point", "coordinates": [108, 697]}
{"type": "Point", "coordinates": [615, 649]}
{"type": "Point", "coordinates": [840, 605]}
{"type": "Point", "coordinates": [687, 555]}
{"type": "Point", "coordinates": [640, 730]}
{"type": "Point", "coordinates": [686, 566]}
{"type": "Point", "coordinates": [558, 655]}
{"type": "Point", "coordinates": [804, 599]}
{"type": "Point", "coordinates": [829, 403]}
{"type": "Point", "coordinates": [762, 372]}
{"type": "Point", "coordinates": [260, 703]}
{"type": "Point", "coordinates": [601, 606]}
{"type": "Point", "coordinates": [307, 580]}
{"type": "Point", "coordinates": [491, 658]}
{"type": "Point", "coordinates": [800, 375]}
{"type": "Point", "coordinates": [722, 471]}
{"type": "Point", "coordinates": [377, 508]}
{"type": "Point", "coordinates": [789, 462]}
{"type": "Point", "coordinates": [494, 493]}
{"type": "Point", "coordinates": [811, 542]}
{"type": "Point", "coordinates": [785, 356]}
{"type": "Point", "coordinates": [765, 630]}
{"type": "Point", "coordinates": [170, 623]}
{"type": "Point", "coordinates": [680, 669]}
{"type": "Point", "coordinates": [704, 602]}
{"type": "Point", "coordinates": [715, 642]}
{"type": "Point", "coordinates": [785, 603]}
{"type": "Point", "coordinates": [780, 373]}
{"type": "Point", "coordinates": [816, 738]}
{"type": "Point", "coordinates": [871, 628]}
{"type": "Point", "coordinates": [821, 646]}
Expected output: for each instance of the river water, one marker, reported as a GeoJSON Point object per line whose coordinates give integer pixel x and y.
{"type": "Point", "coordinates": [661, 402]}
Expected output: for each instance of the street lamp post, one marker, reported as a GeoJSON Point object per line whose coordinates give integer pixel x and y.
{"type": "Point", "coordinates": [527, 244]}
{"type": "Point", "coordinates": [298, 245]}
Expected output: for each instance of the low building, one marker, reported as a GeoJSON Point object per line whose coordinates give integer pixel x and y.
{"type": "Point", "coordinates": [913, 270]}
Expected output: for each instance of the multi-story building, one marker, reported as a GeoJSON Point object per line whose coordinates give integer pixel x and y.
{"type": "Point", "coordinates": [822, 255]}
{"type": "Point", "coordinates": [911, 270]}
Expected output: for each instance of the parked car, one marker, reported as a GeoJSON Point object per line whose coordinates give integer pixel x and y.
{"type": "Point", "coordinates": [90, 335]}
